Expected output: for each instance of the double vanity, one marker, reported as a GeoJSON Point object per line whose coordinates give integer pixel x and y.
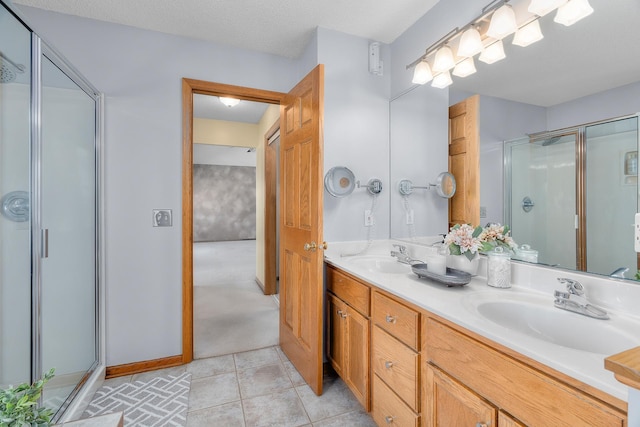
{"type": "Point", "coordinates": [416, 352]}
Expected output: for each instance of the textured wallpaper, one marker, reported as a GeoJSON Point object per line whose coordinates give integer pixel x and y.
{"type": "Point", "coordinates": [224, 203]}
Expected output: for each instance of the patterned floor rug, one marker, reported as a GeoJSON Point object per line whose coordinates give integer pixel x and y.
{"type": "Point", "coordinates": [161, 401]}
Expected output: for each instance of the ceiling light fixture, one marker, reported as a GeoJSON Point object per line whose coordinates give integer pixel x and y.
{"type": "Point", "coordinates": [444, 60]}
{"type": "Point", "coordinates": [422, 73]}
{"type": "Point", "coordinates": [503, 23]}
{"type": "Point", "coordinates": [229, 102]}
{"type": "Point", "coordinates": [493, 53]}
{"type": "Point", "coordinates": [470, 43]}
{"type": "Point", "coordinates": [543, 7]}
{"type": "Point", "coordinates": [484, 35]}
{"type": "Point", "coordinates": [528, 34]}
{"type": "Point", "coordinates": [573, 11]}
{"type": "Point", "coordinates": [442, 80]}
{"type": "Point", "coordinates": [465, 68]}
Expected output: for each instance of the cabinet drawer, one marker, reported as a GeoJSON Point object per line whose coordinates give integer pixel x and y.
{"type": "Point", "coordinates": [490, 373]}
{"type": "Point", "coordinates": [388, 409]}
{"type": "Point", "coordinates": [354, 293]}
{"type": "Point", "coordinates": [397, 319]}
{"type": "Point", "coordinates": [398, 366]}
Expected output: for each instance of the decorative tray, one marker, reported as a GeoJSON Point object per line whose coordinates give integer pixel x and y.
{"type": "Point", "coordinates": [452, 278]}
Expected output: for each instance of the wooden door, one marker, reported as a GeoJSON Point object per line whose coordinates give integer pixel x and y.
{"type": "Point", "coordinates": [336, 311]}
{"type": "Point", "coordinates": [357, 356]}
{"type": "Point", "coordinates": [464, 161]}
{"type": "Point", "coordinates": [449, 403]}
{"type": "Point", "coordinates": [301, 257]}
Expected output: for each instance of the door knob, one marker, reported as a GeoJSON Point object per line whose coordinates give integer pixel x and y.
{"type": "Point", "coordinates": [311, 247]}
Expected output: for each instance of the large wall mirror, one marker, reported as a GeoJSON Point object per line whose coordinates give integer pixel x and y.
{"type": "Point", "coordinates": [550, 99]}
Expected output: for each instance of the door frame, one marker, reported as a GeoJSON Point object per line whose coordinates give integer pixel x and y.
{"type": "Point", "coordinates": [189, 88]}
{"type": "Point", "coordinates": [271, 163]}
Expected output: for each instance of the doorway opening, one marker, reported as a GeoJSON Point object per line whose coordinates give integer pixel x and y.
{"type": "Point", "coordinates": [264, 265]}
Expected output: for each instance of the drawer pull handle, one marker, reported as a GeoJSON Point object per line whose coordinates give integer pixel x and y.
{"type": "Point", "coordinates": [390, 319]}
{"type": "Point", "coordinates": [482, 425]}
{"type": "Point", "coordinates": [389, 419]}
{"type": "Point", "coordinates": [388, 364]}
{"type": "Point", "coordinates": [342, 314]}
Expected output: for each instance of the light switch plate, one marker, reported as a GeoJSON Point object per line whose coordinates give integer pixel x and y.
{"type": "Point", "coordinates": [162, 218]}
{"type": "Point", "coordinates": [368, 218]}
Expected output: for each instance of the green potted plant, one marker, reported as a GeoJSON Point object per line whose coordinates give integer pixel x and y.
{"type": "Point", "coordinates": [19, 405]}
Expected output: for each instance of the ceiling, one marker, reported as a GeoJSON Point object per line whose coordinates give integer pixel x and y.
{"type": "Point", "coordinates": [280, 27]}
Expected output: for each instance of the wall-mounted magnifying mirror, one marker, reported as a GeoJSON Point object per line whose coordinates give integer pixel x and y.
{"type": "Point", "coordinates": [339, 181]}
{"type": "Point", "coordinates": [445, 186]}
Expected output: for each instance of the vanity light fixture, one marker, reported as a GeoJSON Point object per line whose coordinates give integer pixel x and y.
{"type": "Point", "coordinates": [543, 7]}
{"type": "Point", "coordinates": [422, 73]}
{"type": "Point", "coordinates": [493, 53]}
{"type": "Point", "coordinates": [229, 102]}
{"type": "Point", "coordinates": [485, 33]}
{"type": "Point", "coordinates": [465, 68]}
{"type": "Point", "coordinates": [442, 80]}
{"type": "Point", "coordinates": [573, 11]}
{"type": "Point", "coordinates": [444, 60]}
{"type": "Point", "coordinates": [528, 34]}
{"type": "Point", "coordinates": [503, 23]}
{"type": "Point", "coordinates": [470, 43]}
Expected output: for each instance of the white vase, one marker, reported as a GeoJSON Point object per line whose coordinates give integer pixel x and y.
{"type": "Point", "coordinates": [461, 262]}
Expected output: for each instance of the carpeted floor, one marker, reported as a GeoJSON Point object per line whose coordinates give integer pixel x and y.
{"type": "Point", "coordinates": [231, 314]}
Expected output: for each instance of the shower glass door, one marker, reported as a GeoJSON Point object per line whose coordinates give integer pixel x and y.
{"type": "Point", "coordinates": [15, 220]}
{"type": "Point", "coordinates": [542, 206]}
{"type": "Point", "coordinates": [68, 217]}
{"type": "Point", "coordinates": [611, 195]}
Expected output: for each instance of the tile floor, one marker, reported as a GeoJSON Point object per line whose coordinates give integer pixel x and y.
{"type": "Point", "coordinates": [261, 388]}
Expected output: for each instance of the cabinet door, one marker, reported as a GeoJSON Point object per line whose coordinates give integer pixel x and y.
{"type": "Point", "coordinates": [356, 361]}
{"type": "Point", "coordinates": [337, 311]}
{"type": "Point", "coordinates": [452, 404]}
{"type": "Point", "coordinates": [506, 420]}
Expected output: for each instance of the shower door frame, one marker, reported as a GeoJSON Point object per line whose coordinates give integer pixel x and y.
{"type": "Point", "coordinates": [39, 51]}
{"type": "Point", "coordinates": [581, 164]}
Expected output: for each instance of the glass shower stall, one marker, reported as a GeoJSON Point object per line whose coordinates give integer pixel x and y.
{"type": "Point", "coordinates": [49, 216]}
{"type": "Point", "coordinates": [572, 194]}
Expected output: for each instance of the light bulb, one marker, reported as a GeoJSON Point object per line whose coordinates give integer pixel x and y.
{"type": "Point", "coordinates": [422, 73]}
{"type": "Point", "coordinates": [573, 11]}
{"type": "Point", "coordinates": [465, 68]}
{"type": "Point", "coordinates": [503, 23]}
{"type": "Point", "coordinates": [229, 102]}
{"type": "Point", "coordinates": [528, 34]}
{"type": "Point", "coordinates": [542, 7]}
{"type": "Point", "coordinates": [444, 60]}
{"type": "Point", "coordinates": [470, 43]}
{"type": "Point", "coordinates": [493, 53]}
{"type": "Point", "coordinates": [442, 80]}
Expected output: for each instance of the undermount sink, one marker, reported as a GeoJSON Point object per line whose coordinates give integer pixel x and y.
{"type": "Point", "coordinates": [380, 264]}
{"type": "Point", "coordinates": [537, 317]}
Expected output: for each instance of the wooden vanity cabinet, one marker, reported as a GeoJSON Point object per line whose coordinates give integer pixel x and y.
{"type": "Point", "coordinates": [395, 362]}
{"type": "Point", "coordinates": [466, 373]}
{"type": "Point", "coordinates": [348, 329]}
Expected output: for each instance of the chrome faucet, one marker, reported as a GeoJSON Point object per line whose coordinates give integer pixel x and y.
{"type": "Point", "coordinates": [574, 299]}
{"type": "Point", "coordinates": [403, 256]}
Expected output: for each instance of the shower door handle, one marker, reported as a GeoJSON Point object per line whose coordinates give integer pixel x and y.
{"type": "Point", "coordinates": [44, 242]}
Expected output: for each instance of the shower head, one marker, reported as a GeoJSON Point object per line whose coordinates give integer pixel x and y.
{"type": "Point", "coordinates": [9, 69]}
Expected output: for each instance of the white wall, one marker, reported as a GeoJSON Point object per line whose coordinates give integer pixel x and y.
{"type": "Point", "coordinates": [356, 132]}
{"type": "Point", "coordinates": [140, 74]}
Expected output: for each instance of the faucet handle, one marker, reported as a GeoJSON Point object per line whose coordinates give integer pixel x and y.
{"type": "Point", "coordinates": [560, 294]}
{"type": "Point", "coordinates": [401, 248]}
{"type": "Point", "coordinates": [573, 286]}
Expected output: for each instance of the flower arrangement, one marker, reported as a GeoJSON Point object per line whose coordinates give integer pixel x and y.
{"type": "Point", "coordinates": [464, 239]}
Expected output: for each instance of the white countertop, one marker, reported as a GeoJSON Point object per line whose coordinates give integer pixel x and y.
{"type": "Point", "coordinates": [455, 304]}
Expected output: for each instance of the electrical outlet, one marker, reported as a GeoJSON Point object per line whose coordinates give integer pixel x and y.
{"type": "Point", "coordinates": [162, 218]}
{"type": "Point", "coordinates": [409, 218]}
{"type": "Point", "coordinates": [368, 218]}
{"type": "Point", "coordinates": [636, 227]}
{"type": "Point", "coordinates": [483, 211]}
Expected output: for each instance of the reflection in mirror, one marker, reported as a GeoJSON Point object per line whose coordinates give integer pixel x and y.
{"type": "Point", "coordinates": [571, 77]}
